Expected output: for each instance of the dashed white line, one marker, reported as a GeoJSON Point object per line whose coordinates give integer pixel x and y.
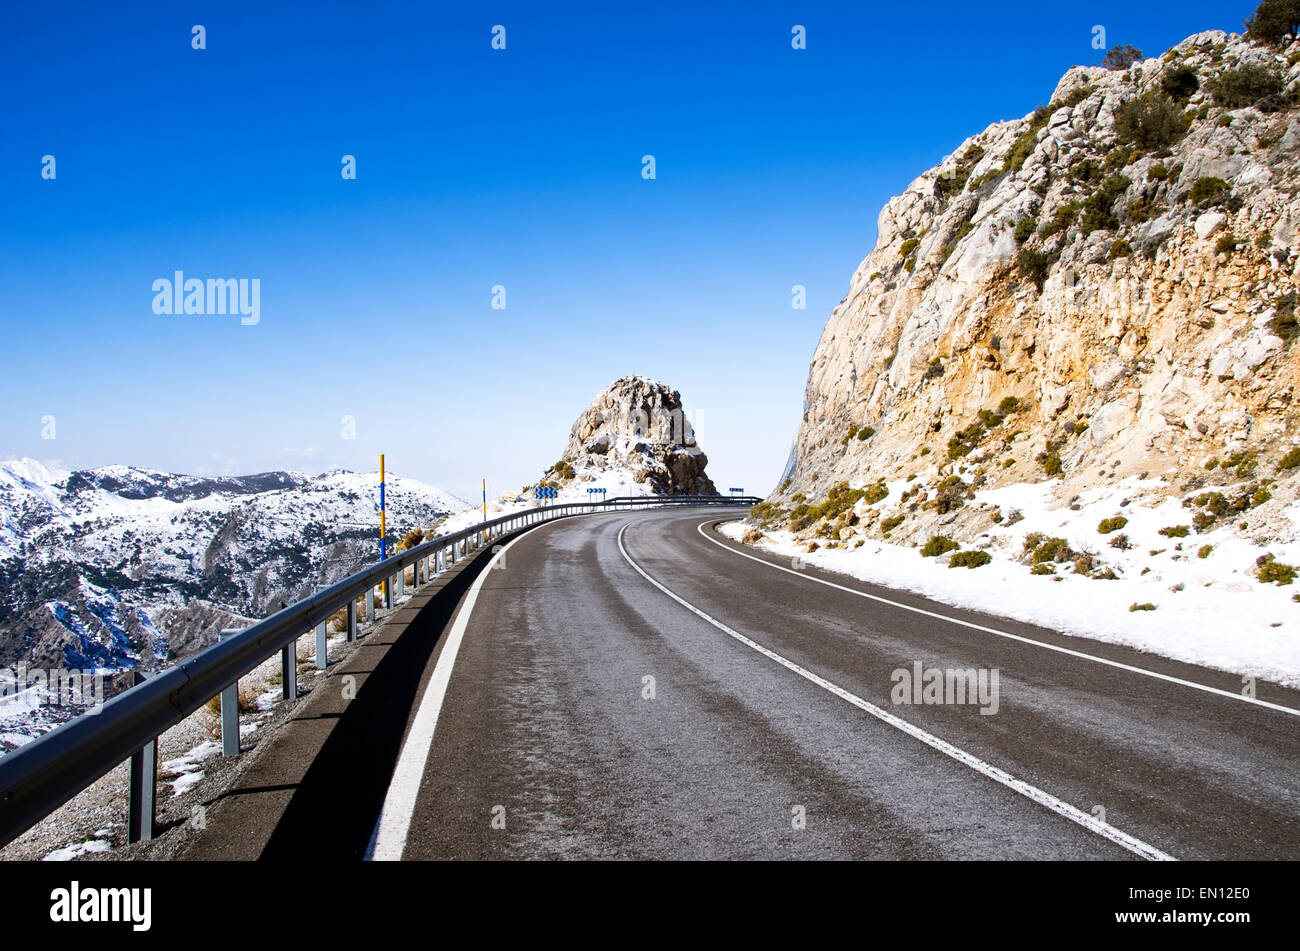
{"type": "Point", "coordinates": [1014, 637]}
{"type": "Point", "coordinates": [1060, 807]}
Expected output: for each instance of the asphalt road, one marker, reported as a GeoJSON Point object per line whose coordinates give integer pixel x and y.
{"type": "Point", "coordinates": [639, 687]}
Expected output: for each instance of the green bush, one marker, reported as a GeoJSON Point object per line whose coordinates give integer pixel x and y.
{"type": "Point", "coordinates": [889, 524]}
{"type": "Point", "coordinates": [1145, 606]}
{"type": "Point", "coordinates": [1290, 460]}
{"type": "Point", "coordinates": [1121, 542]}
{"type": "Point", "coordinates": [1284, 323]}
{"type": "Point", "coordinates": [1150, 122]}
{"type": "Point", "coordinates": [1144, 208]}
{"type": "Point", "coordinates": [953, 182]}
{"type": "Point", "coordinates": [1244, 462]}
{"type": "Point", "coordinates": [1062, 219]}
{"type": "Point", "coordinates": [1048, 549]}
{"type": "Point", "coordinates": [1204, 551]}
{"type": "Point", "coordinates": [1119, 248]}
{"type": "Point", "coordinates": [1180, 83]}
{"type": "Point", "coordinates": [1099, 208]}
{"type": "Point", "coordinates": [1274, 22]}
{"type": "Point", "coordinates": [1209, 189]}
{"type": "Point", "coordinates": [938, 545]}
{"type": "Point", "coordinates": [963, 442]}
{"type": "Point", "coordinates": [875, 492]}
{"type": "Point", "coordinates": [1009, 405]}
{"type": "Point", "coordinates": [865, 433]}
{"type": "Point", "coordinates": [1052, 464]}
{"type": "Point", "coordinates": [563, 470]}
{"type": "Point", "coordinates": [1176, 531]}
{"type": "Point", "coordinates": [1088, 170]}
{"type": "Point", "coordinates": [1025, 229]}
{"type": "Point", "coordinates": [1119, 157]}
{"type": "Point", "coordinates": [1120, 58]}
{"type": "Point", "coordinates": [1158, 172]}
{"type": "Point", "coordinates": [1226, 244]}
{"type": "Point", "coordinates": [1042, 569]}
{"type": "Point", "coordinates": [1024, 144]}
{"type": "Point", "coordinates": [1108, 525]}
{"type": "Point", "coordinates": [1249, 85]}
{"type": "Point", "coordinates": [1073, 98]}
{"type": "Point", "coordinates": [950, 494]}
{"type": "Point", "coordinates": [908, 247]}
{"type": "Point", "coordinates": [1271, 571]}
{"type": "Point", "coordinates": [969, 559]}
{"type": "Point", "coordinates": [839, 500]}
{"type": "Point", "coordinates": [1034, 265]}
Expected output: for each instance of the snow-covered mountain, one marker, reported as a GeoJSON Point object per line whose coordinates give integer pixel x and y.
{"type": "Point", "coordinates": [121, 567]}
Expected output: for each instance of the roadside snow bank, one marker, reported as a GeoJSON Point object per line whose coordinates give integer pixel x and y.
{"type": "Point", "coordinates": [1210, 610]}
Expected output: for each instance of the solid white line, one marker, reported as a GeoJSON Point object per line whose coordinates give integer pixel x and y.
{"type": "Point", "coordinates": [388, 841]}
{"type": "Point", "coordinates": [1014, 637]}
{"type": "Point", "coordinates": [1089, 822]}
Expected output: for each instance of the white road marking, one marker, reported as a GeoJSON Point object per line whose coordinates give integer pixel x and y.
{"type": "Point", "coordinates": [1014, 637]}
{"type": "Point", "coordinates": [388, 841]}
{"type": "Point", "coordinates": [1060, 807]}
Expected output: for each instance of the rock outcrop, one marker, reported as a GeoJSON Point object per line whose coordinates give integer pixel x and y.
{"type": "Point", "coordinates": [1101, 289]}
{"type": "Point", "coordinates": [638, 425]}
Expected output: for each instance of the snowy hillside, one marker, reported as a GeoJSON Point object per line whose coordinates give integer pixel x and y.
{"type": "Point", "coordinates": [120, 567]}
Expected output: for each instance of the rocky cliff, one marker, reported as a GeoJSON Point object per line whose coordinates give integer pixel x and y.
{"type": "Point", "coordinates": [1100, 290]}
{"type": "Point", "coordinates": [639, 426]}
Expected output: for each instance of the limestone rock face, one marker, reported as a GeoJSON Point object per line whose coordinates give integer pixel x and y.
{"type": "Point", "coordinates": [1153, 337]}
{"type": "Point", "coordinates": [638, 425]}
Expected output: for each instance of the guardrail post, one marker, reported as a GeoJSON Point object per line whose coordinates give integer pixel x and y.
{"type": "Point", "coordinates": [143, 785]}
{"type": "Point", "coordinates": [352, 619]}
{"type": "Point", "coordinates": [322, 646]}
{"type": "Point", "coordinates": [289, 670]}
{"type": "Point", "coordinates": [401, 582]}
{"type": "Point", "coordinates": [370, 604]}
{"type": "Point", "coordinates": [230, 713]}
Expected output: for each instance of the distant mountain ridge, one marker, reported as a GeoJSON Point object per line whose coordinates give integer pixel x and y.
{"type": "Point", "coordinates": [123, 567]}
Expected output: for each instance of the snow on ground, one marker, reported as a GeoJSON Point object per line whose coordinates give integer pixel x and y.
{"type": "Point", "coordinates": [70, 852]}
{"type": "Point", "coordinates": [1210, 611]}
{"type": "Point", "coordinates": [616, 482]}
{"type": "Point", "coordinates": [184, 771]}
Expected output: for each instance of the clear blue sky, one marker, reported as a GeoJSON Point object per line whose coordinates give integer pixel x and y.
{"type": "Point", "coordinates": [475, 168]}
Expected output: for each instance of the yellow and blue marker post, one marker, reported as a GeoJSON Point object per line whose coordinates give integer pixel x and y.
{"type": "Point", "coordinates": [383, 537]}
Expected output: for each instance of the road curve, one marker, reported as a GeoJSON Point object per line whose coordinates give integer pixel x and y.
{"type": "Point", "coordinates": [634, 687]}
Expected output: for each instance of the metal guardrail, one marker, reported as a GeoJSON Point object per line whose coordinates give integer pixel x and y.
{"type": "Point", "coordinates": [37, 778]}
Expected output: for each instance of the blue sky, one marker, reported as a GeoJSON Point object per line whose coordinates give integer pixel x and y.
{"type": "Point", "coordinates": [475, 167]}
